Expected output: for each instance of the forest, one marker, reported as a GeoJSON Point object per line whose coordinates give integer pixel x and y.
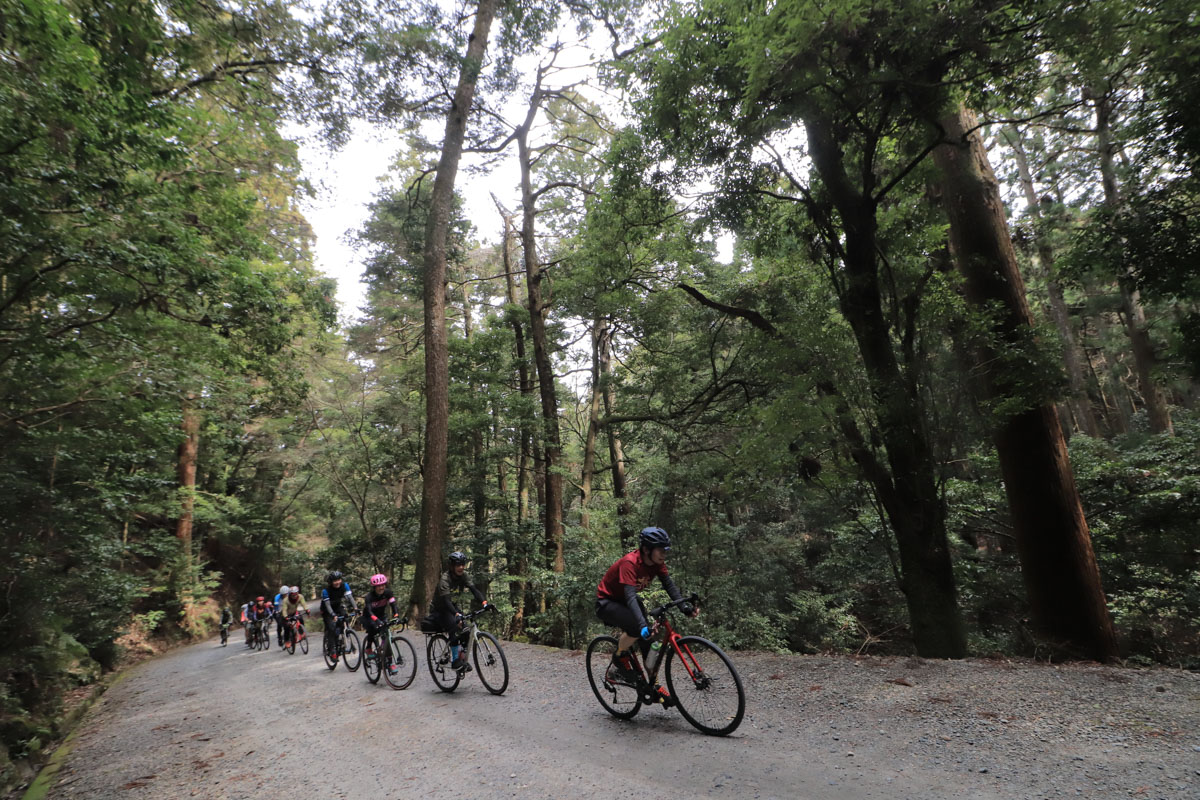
{"type": "Point", "coordinates": [888, 311]}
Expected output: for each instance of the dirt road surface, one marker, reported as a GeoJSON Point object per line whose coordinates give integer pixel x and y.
{"type": "Point", "coordinates": [211, 722]}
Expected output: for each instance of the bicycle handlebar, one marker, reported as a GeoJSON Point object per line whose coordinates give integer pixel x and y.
{"type": "Point", "coordinates": [480, 612]}
{"type": "Point", "coordinates": [661, 611]}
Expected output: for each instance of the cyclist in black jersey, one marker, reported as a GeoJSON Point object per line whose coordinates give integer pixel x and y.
{"type": "Point", "coordinates": [379, 605]}
{"type": "Point", "coordinates": [446, 613]}
{"type": "Point", "coordinates": [336, 600]}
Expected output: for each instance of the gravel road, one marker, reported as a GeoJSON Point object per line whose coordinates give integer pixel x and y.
{"type": "Point", "coordinates": [212, 722]}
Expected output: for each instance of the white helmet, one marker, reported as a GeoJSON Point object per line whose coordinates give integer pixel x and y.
{"type": "Point", "coordinates": [295, 590]}
{"type": "Point", "coordinates": [283, 590]}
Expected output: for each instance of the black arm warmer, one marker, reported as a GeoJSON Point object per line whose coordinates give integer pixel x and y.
{"type": "Point", "coordinates": [631, 600]}
{"type": "Point", "coordinates": [671, 588]}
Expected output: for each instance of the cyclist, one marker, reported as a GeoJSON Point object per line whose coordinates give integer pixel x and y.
{"type": "Point", "coordinates": [336, 597]}
{"type": "Point", "coordinates": [226, 621]}
{"type": "Point", "coordinates": [446, 613]}
{"type": "Point", "coordinates": [378, 605]}
{"type": "Point", "coordinates": [246, 606]}
{"type": "Point", "coordinates": [260, 612]}
{"type": "Point", "coordinates": [292, 605]}
{"type": "Point", "coordinates": [283, 591]}
{"type": "Point", "coordinates": [618, 604]}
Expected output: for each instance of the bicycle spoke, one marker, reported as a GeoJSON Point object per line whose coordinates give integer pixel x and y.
{"type": "Point", "coordinates": [620, 699]}
{"type": "Point", "coordinates": [705, 686]}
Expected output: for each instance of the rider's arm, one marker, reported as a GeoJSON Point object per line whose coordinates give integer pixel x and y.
{"type": "Point", "coordinates": [349, 599]}
{"type": "Point", "coordinates": [670, 586]}
{"type": "Point", "coordinates": [634, 606]}
{"type": "Point", "coordinates": [478, 594]}
{"type": "Point", "coordinates": [327, 603]}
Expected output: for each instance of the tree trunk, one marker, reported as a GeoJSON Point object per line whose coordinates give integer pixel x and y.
{"type": "Point", "coordinates": [1081, 406]}
{"type": "Point", "coordinates": [516, 543]}
{"type": "Point", "coordinates": [1053, 542]}
{"type": "Point", "coordinates": [907, 486]}
{"type": "Point", "coordinates": [437, 356]}
{"type": "Point", "coordinates": [1134, 314]}
{"type": "Point", "coordinates": [599, 327]}
{"type": "Point", "coordinates": [552, 447]}
{"type": "Point", "coordinates": [616, 452]}
{"type": "Point", "coordinates": [185, 472]}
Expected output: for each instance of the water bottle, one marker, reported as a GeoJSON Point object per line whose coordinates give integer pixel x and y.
{"type": "Point", "coordinates": [652, 656]}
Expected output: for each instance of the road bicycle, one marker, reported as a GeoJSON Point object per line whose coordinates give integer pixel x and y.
{"type": "Point", "coordinates": [390, 654]}
{"type": "Point", "coordinates": [260, 638]}
{"type": "Point", "coordinates": [342, 643]}
{"type": "Point", "coordinates": [701, 680]}
{"type": "Point", "coordinates": [294, 635]}
{"type": "Point", "coordinates": [485, 651]}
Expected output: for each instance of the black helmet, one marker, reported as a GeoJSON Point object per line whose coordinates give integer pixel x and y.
{"type": "Point", "coordinates": [655, 537]}
{"type": "Point", "coordinates": [333, 576]}
{"type": "Point", "coordinates": [458, 557]}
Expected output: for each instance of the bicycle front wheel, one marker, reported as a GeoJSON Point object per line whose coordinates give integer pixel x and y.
{"type": "Point", "coordinates": [265, 635]}
{"type": "Point", "coordinates": [706, 687]}
{"type": "Point", "coordinates": [352, 651]}
{"type": "Point", "coordinates": [401, 664]}
{"type": "Point", "coordinates": [372, 662]}
{"type": "Point", "coordinates": [329, 649]}
{"type": "Point", "coordinates": [437, 653]}
{"type": "Point", "coordinates": [490, 663]}
{"type": "Point", "coordinates": [618, 698]}
{"type": "Point", "coordinates": [289, 643]}
{"type": "Point", "coordinates": [304, 644]}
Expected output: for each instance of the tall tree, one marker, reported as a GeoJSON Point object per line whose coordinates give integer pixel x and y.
{"type": "Point", "coordinates": [437, 370]}
{"type": "Point", "coordinates": [1057, 561]}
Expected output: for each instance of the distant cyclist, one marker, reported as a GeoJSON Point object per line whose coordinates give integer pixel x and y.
{"type": "Point", "coordinates": [261, 612]}
{"type": "Point", "coordinates": [292, 605]}
{"type": "Point", "coordinates": [379, 605]}
{"type": "Point", "coordinates": [336, 599]}
{"type": "Point", "coordinates": [245, 619]}
{"type": "Point", "coordinates": [618, 604]}
{"type": "Point", "coordinates": [447, 614]}
{"type": "Point", "coordinates": [283, 591]}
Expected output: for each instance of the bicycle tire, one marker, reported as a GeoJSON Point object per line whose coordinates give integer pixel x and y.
{"type": "Point", "coordinates": [401, 654]}
{"type": "Point", "coordinates": [289, 643]}
{"type": "Point", "coordinates": [490, 663]}
{"type": "Point", "coordinates": [707, 689]}
{"type": "Point", "coordinates": [437, 653]}
{"type": "Point", "coordinates": [352, 654]}
{"type": "Point", "coordinates": [372, 664]}
{"type": "Point", "coordinates": [266, 638]}
{"type": "Point", "coordinates": [304, 644]}
{"type": "Point", "coordinates": [618, 699]}
{"type": "Point", "coordinates": [327, 646]}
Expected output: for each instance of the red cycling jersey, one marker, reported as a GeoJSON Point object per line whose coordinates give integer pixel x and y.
{"type": "Point", "coordinates": [629, 570]}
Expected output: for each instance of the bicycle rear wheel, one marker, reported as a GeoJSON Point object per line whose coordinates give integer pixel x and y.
{"type": "Point", "coordinates": [706, 687]}
{"type": "Point", "coordinates": [437, 653]}
{"type": "Point", "coordinates": [353, 651]}
{"type": "Point", "coordinates": [402, 656]}
{"type": "Point", "coordinates": [619, 699]}
{"type": "Point", "coordinates": [329, 649]}
{"type": "Point", "coordinates": [490, 662]}
{"type": "Point", "coordinates": [372, 662]}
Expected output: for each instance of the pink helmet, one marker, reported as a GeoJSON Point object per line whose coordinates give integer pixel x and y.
{"type": "Point", "coordinates": [378, 580]}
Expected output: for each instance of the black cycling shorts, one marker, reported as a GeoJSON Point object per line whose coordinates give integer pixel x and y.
{"type": "Point", "coordinates": [619, 615]}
